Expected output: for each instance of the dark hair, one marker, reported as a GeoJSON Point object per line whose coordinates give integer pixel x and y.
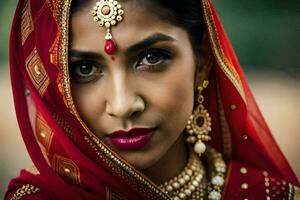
{"type": "Point", "coordinates": [186, 14]}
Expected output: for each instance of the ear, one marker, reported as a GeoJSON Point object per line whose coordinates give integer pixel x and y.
{"type": "Point", "coordinates": [204, 61]}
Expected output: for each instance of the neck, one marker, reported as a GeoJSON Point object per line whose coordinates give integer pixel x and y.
{"type": "Point", "coordinates": [171, 164]}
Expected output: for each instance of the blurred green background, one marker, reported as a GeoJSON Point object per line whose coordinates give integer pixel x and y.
{"type": "Point", "coordinates": [265, 34]}
{"type": "Point", "coordinates": [7, 9]}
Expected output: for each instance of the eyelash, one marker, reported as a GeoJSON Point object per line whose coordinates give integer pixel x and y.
{"type": "Point", "coordinates": [96, 71]}
{"type": "Point", "coordinates": [162, 55]}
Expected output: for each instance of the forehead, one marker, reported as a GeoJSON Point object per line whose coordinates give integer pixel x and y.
{"type": "Point", "coordinates": [152, 6]}
{"type": "Point", "coordinates": [139, 21]}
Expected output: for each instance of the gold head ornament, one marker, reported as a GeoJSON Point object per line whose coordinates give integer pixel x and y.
{"type": "Point", "coordinates": [108, 13]}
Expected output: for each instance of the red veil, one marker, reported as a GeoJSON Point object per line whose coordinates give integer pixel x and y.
{"type": "Point", "coordinates": [71, 163]}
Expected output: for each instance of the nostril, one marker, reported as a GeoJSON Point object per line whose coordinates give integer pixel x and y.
{"type": "Point", "coordinates": [136, 114]}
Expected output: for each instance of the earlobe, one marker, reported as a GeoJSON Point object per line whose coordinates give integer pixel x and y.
{"type": "Point", "coordinates": [204, 62]}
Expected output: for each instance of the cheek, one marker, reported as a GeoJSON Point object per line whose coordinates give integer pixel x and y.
{"type": "Point", "coordinates": [178, 102]}
{"type": "Point", "coordinates": [173, 99]}
{"type": "Point", "coordinates": [87, 102]}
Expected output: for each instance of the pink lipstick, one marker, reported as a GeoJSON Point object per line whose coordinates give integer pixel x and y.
{"type": "Point", "coordinates": [133, 139]}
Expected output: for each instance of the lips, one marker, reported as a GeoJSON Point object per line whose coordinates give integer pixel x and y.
{"type": "Point", "coordinates": [133, 139]}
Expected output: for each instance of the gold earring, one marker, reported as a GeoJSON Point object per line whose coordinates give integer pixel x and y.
{"type": "Point", "coordinates": [199, 124]}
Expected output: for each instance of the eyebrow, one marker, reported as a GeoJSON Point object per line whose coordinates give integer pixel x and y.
{"type": "Point", "coordinates": [147, 42]}
{"type": "Point", "coordinates": [85, 54]}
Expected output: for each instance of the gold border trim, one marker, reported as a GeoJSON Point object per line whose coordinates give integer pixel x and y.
{"type": "Point", "coordinates": [225, 130]}
{"type": "Point", "coordinates": [225, 65]}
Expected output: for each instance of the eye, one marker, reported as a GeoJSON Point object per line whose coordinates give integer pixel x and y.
{"type": "Point", "coordinates": [85, 69]}
{"type": "Point", "coordinates": [153, 58]}
{"type": "Point", "coordinates": [84, 72]}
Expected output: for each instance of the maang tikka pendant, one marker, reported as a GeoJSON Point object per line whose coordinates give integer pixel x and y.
{"type": "Point", "coordinates": [108, 13]}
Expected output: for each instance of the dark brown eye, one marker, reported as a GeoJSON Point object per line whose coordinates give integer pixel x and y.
{"type": "Point", "coordinates": [153, 58]}
{"type": "Point", "coordinates": [85, 71]}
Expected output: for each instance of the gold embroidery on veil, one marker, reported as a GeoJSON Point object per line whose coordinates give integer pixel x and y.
{"type": "Point", "coordinates": [26, 22]}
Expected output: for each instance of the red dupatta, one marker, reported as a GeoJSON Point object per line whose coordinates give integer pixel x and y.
{"type": "Point", "coordinates": [71, 162]}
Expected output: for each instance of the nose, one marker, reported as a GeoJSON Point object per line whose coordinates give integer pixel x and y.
{"type": "Point", "coordinates": [122, 101]}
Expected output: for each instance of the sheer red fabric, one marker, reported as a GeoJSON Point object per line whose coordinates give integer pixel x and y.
{"type": "Point", "coordinates": [71, 163]}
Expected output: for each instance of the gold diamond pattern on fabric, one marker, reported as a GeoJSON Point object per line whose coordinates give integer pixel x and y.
{"type": "Point", "coordinates": [37, 72]}
{"type": "Point", "coordinates": [66, 168]}
{"type": "Point", "coordinates": [26, 22]}
{"type": "Point", "coordinates": [224, 63]}
{"type": "Point", "coordinates": [44, 133]}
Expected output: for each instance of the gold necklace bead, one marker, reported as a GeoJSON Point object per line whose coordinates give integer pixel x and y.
{"type": "Point", "coordinates": [191, 182]}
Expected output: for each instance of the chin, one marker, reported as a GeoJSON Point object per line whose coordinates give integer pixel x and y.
{"type": "Point", "coordinates": [141, 160]}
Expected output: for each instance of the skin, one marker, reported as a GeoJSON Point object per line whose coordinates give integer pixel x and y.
{"type": "Point", "coordinates": [123, 92]}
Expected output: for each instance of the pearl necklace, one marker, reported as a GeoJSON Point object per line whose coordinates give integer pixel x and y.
{"type": "Point", "coordinates": [191, 182]}
{"type": "Point", "coordinates": [183, 185]}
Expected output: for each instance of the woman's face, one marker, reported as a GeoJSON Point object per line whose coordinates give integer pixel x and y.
{"type": "Point", "coordinates": [148, 83]}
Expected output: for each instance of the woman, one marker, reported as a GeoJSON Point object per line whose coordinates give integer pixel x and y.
{"type": "Point", "coordinates": [116, 100]}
